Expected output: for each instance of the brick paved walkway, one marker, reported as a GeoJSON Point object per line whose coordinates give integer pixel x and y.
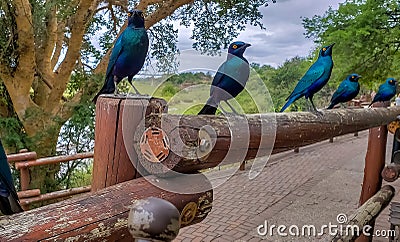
{"type": "Point", "coordinates": [308, 188]}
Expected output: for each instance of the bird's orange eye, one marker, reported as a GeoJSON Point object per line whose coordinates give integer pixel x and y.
{"type": "Point", "coordinates": [129, 14]}
{"type": "Point", "coordinates": [353, 77]}
{"type": "Point", "coordinates": [234, 47]}
{"type": "Point", "coordinates": [324, 49]}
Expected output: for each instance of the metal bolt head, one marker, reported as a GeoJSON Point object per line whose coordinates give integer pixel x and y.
{"type": "Point", "coordinates": [154, 219]}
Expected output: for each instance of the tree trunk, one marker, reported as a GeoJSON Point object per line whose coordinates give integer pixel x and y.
{"type": "Point", "coordinates": [42, 138]}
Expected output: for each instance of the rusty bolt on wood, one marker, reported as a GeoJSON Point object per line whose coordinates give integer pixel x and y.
{"type": "Point", "coordinates": [153, 219]}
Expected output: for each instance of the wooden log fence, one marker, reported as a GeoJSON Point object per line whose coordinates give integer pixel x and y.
{"type": "Point", "coordinates": [24, 160]}
{"type": "Point", "coordinates": [103, 215]}
{"type": "Point", "coordinates": [185, 144]}
{"type": "Point", "coordinates": [293, 130]}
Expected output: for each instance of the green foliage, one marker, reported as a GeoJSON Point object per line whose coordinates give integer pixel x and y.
{"type": "Point", "coordinates": [168, 91]}
{"type": "Point", "coordinates": [366, 35]}
{"type": "Point", "coordinates": [77, 136]}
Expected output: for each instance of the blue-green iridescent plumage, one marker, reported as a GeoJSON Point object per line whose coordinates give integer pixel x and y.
{"type": "Point", "coordinates": [315, 78]}
{"type": "Point", "coordinates": [230, 79]}
{"type": "Point", "coordinates": [347, 90]}
{"type": "Point", "coordinates": [9, 203]}
{"type": "Point", "coordinates": [386, 91]}
{"type": "Point", "coordinates": [128, 54]}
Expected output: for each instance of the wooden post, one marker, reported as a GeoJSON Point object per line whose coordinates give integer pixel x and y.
{"type": "Point", "coordinates": [331, 140]}
{"type": "Point", "coordinates": [296, 150]}
{"type": "Point", "coordinates": [116, 117]}
{"type": "Point", "coordinates": [374, 164]}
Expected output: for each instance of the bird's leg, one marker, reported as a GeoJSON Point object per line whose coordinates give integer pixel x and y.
{"type": "Point", "coordinates": [116, 85]}
{"type": "Point", "coordinates": [222, 109]}
{"type": "Point", "coordinates": [230, 106]}
{"type": "Point", "coordinates": [314, 109]}
{"type": "Point", "coordinates": [136, 90]}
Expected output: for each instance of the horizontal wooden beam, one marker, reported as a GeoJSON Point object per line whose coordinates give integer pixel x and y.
{"type": "Point", "coordinates": [200, 142]}
{"type": "Point", "coordinates": [53, 160]}
{"type": "Point", "coordinates": [54, 195]}
{"type": "Point", "coordinates": [103, 215]}
{"type": "Point", "coordinates": [28, 193]}
{"type": "Point", "coordinates": [24, 156]}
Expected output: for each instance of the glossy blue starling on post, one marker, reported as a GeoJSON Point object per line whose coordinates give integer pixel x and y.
{"type": "Point", "coordinates": [347, 90]}
{"type": "Point", "coordinates": [315, 78]}
{"type": "Point", "coordinates": [230, 79]}
{"type": "Point", "coordinates": [386, 91]}
{"type": "Point", "coordinates": [128, 55]}
{"type": "Point", "coordinates": [9, 202]}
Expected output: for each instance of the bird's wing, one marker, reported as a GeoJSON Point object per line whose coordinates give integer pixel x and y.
{"type": "Point", "coordinates": [116, 51]}
{"type": "Point", "coordinates": [312, 75]}
{"type": "Point", "coordinates": [343, 87]}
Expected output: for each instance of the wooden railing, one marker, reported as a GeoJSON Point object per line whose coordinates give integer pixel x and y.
{"type": "Point", "coordinates": [24, 160]}
{"type": "Point", "coordinates": [119, 157]}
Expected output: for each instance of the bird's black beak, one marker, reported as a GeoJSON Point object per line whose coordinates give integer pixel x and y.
{"type": "Point", "coordinates": [247, 45]}
{"type": "Point", "coordinates": [330, 46]}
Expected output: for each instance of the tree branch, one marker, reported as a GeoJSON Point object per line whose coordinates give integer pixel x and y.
{"type": "Point", "coordinates": [59, 44]}
{"type": "Point", "coordinates": [145, 3]}
{"type": "Point", "coordinates": [79, 21]}
{"type": "Point", "coordinates": [26, 50]}
{"type": "Point", "coordinates": [166, 9]}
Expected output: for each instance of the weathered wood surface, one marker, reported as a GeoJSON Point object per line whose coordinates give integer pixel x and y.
{"type": "Point", "coordinates": [102, 215]}
{"type": "Point", "coordinates": [374, 164]}
{"type": "Point", "coordinates": [365, 214]}
{"type": "Point", "coordinates": [242, 136]}
{"type": "Point", "coordinates": [117, 118]}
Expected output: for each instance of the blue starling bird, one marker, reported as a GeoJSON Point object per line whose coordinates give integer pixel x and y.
{"type": "Point", "coordinates": [230, 79]}
{"type": "Point", "coordinates": [9, 202]}
{"type": "Point", "coordinates": [128, 55]}
{"type": "Point", "coordinates": [386, 91]}
{"type": "Point", "coordinates": [346, 91]}
{"type": "Point", "coordinates": [315, 78]}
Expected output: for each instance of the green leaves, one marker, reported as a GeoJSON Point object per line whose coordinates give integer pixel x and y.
{"type": "Point", "coordinates": [366, 35]}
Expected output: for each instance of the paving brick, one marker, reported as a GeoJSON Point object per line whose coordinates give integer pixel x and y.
{"type": "Point", "coordinates": [240, 204]}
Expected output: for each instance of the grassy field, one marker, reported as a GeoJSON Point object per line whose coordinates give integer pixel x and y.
{"type": "Point", "coordinates": [188, 97]}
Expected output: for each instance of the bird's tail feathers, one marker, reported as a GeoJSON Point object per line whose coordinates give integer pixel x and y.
{"type": "Point", "coordinates": [290, 101]}
{"type": "Point", "coordinates": [209, 108]}
{"type": "Point", "coordinates": [108, 88]}
{"type": "Point", "coordinates": [331, 105]}
{"type": "Point", "coordinates": [371, 104]}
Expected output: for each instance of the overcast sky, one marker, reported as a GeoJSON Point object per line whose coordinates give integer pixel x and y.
{"type": "Point", "coordinates": [284, 35]}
